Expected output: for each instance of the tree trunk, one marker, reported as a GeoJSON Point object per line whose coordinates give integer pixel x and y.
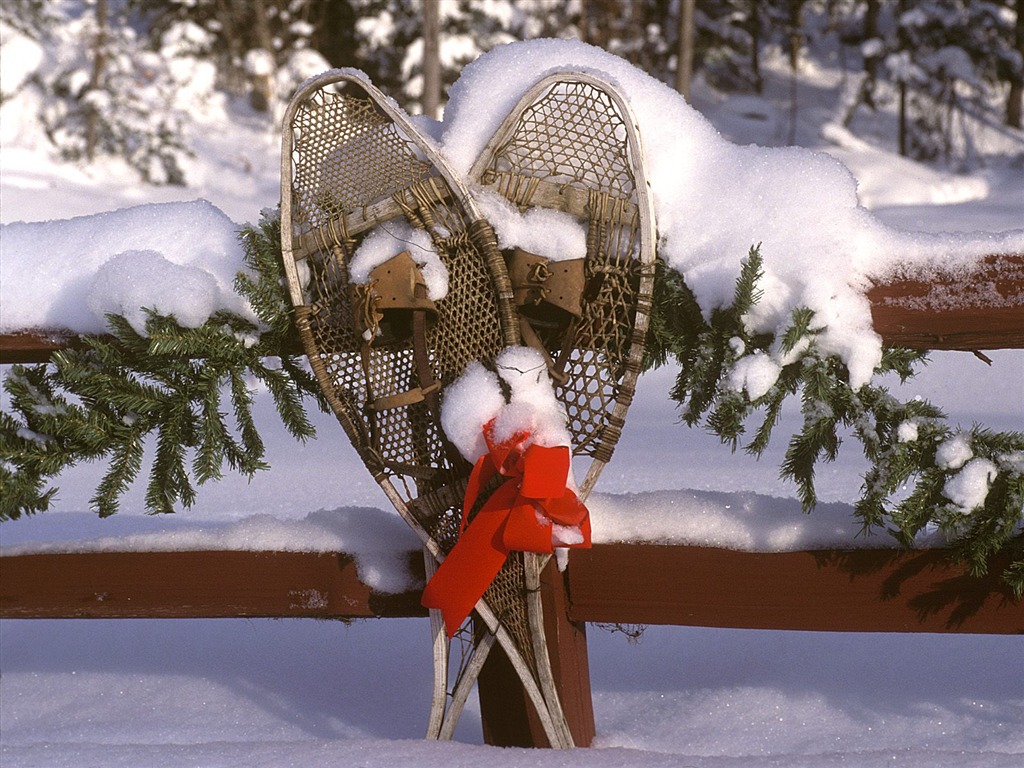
{"type": "Point", "coordinates": [796, 12]}
{"type": "Point", "coordinates": [99, 63]}
{"type": "Point", "coordinates": [262, 97]}
{"type": "Point", "coordinates": [795, 24]}
{"type": "Point", "coordinates": [903, 120]}
{"type": "Point", "coordinates": [755, 45]}
{"type": "Point", "coordinates": [684, 56]}
{"type": "Point", "coordinates": [867, 94]}
{"type": "Point", "coordinates": [1015, 98]}
{"type": "Point", "coordinates": [431, 100]}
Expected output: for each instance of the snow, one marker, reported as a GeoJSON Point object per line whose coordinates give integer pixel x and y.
{"type": "Point", "coordinates": [178, 258]}
{"type": "Point", "coordinates": [387, 242]}
{"type": "Point", "coordinates": [26, 55]}
{"type": "Point", "coordinates": [953, 453]}
{"type": "Point", "coordinates": [545, 232]}
{"type": "Point", "coordinates": [741, 520]}
{"type": "Point", "coordinates": [380, 542]}
{"type": "Point", "coordinates": [467, 404]}
{"type": "Point", "coordinates": [475, 399]}
{"type": "Point", "coordinates": [756, 374]}
{"type": "Point", "coordinates": [271, 693]}
{"type": "Point", "coordinates": [969, 487]}
{"type": "Point", "coordinates": [532, 405]}
{"type": "Point", "coordinates": [819, 244]}
{"type": "Point", "coordinates": [907, 432]}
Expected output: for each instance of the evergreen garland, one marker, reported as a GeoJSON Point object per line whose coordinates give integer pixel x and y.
{"type": "Point", "coordinates": [168, 387]}
{"type": "Point", "coordinates": [916, 458]}
{"type": "Point", "coordinates": [105, 401]}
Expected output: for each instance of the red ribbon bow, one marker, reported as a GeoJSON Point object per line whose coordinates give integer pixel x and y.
{"type": "Point", "coordinates": [518, 516]}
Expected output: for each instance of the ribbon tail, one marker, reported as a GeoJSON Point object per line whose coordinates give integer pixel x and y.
{"type": "Point", "coordinates": [461, 580]}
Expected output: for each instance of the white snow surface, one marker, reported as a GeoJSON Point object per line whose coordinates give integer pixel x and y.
{"type": "Point", "coordinates": [553, 234]}
{"type": "Point", "coordinates": [380, 542]}
{"type": "Point", "coordinates": [177, 258]}
{"type": "Point", "coordinates": [270, 693]}
{"type": "Point", "coordinates": [475, 399]}
{"type": "Point", "coordinates": [953, 453]}
{"type": "Point", "coordinates": [387, 242]}
{"type": "Point", "coordinates": [969, 487]}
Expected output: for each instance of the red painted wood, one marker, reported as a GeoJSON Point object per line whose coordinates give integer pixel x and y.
{"type": "Point", "coordinates": [35, 346]}
{"type": "Point", "coordinates": [976, 309]}
{"type": "Point", "coordinates": [508, 717]}
{"type": "Point", "coordinates": [195, 585]}
{"type": "Point", "coordinates": [570, 663]}
{"type": "Point", "coordinates": [871, 590]}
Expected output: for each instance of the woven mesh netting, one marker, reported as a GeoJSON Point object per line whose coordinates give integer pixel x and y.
{"type": "Point", "coordinates": [574, 136]}
{"type": "Point", "coordinates": [354, 170]}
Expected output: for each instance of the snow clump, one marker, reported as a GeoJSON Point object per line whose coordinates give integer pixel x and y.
{"type": "Point", "coordinates": [386, 242]}
{"type": "Point", "coordinates": [969, 487]}
{"type": "Point", "coordinates": [953, 453]}
{"type": "Point", "coordinates": [476, 399]}
{"type": "Point", "coordinates": [178, 258]}
{"type": "Point", "coordinates": [714, 200]}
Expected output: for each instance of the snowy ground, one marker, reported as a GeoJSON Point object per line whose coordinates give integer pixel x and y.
{"type": "Point", "coordinates": [272, 693]}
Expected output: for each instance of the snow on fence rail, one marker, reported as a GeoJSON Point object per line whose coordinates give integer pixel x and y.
{"type": "Point", "coordinates": [971, 310]}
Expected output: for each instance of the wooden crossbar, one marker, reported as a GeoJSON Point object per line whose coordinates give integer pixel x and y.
{"type": "Point", "coordinates": [859, 590]}
{"type": "Point", "coordinates": [975, 309]}
{"type": "Point", "coordinates": [195, 584]}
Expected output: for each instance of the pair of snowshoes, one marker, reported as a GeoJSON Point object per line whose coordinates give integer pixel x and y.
{"type": "Point", "coordinates": [465, 363]}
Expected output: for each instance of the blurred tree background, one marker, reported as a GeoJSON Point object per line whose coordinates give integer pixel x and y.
{"type": "Point", "coordinates": [122, 77]}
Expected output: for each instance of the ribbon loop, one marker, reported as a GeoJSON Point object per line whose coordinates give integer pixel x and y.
{"type": "Point", "coordinates": [519, 516]}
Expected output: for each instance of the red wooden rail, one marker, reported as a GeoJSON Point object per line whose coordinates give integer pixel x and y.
{"type": "Point", "coordinates": [969, 310]}
{"type": "Point", "coordinates": [830, 590]}
{"type": "Point", "coordinates": [194, 584]}
{"type": "Point", "coordinates": [857, 590]}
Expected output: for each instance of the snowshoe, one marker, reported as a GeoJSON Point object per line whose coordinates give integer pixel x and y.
{"type": "Point", "coordinates": [398, 287]}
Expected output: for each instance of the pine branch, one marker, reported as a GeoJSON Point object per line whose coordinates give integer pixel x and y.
{"type": "Point", "coordinates": [905, 491]}
{"type": "Point", "coordinates": [168, 387]}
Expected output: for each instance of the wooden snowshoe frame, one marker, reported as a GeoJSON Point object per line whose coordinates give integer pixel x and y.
{"type": "Point", "coordinates": [353, 162]}
{"type": "Point", "coordinates": [572, 144]}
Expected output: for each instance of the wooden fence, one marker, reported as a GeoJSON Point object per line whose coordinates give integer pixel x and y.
{"type": "Point", "coordinates": [863, 590]}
